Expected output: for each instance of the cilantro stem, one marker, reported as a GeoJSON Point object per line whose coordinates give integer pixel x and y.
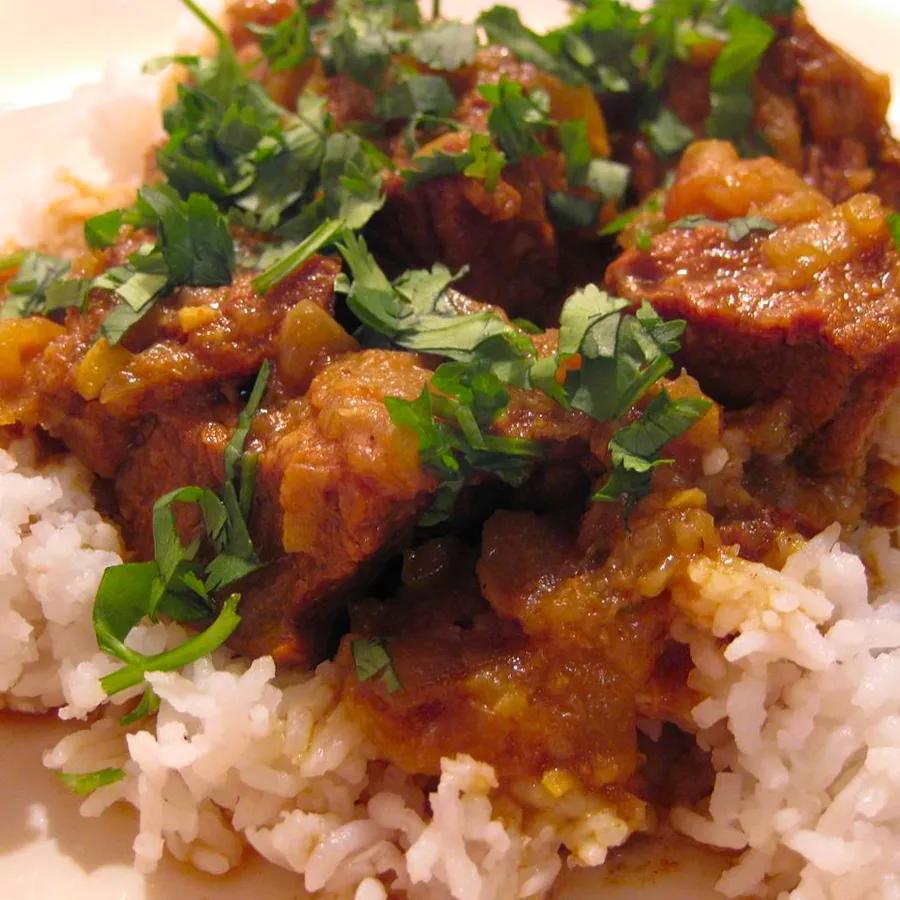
{"type": "Point", "coordinates": [193, 649]}
{"type": "Point", "coordinates": [292, 260]}
{"type": "Point", "coordinates": [84, 783]}
{"type": "Point", "coordinates": [207, 21]}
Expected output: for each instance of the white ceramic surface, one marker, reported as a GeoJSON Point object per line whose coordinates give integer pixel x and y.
{"type": "Point", "coordinates": [53, 55]}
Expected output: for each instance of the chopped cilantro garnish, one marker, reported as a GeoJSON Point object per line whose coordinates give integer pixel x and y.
{"type": "Point", "coordinates": [286, 44]}
{"type": "Point", "coordinates": [731, 97]}
{"type": "Point", "coordinates": [176, 583]}
{"type": "Point", "coordinates": [445, 45]}
{"type": "Point", "coordinates": [503, 26]}
{"type": "Point", "coordinates": [449, 418]}
{"type": "Point", "coordinates": [137, 665]}
{"type": "Point", "coordinates": [571, 211]}
{"type": "Point", "coordinates": [295, 257]}
{"type": "Point", "coordinates": [102, 230]}
{"type": "Point", "coordinates": [27, 291]}
{"type": "Point", "coordinates": [487, 161]}
{"type": "Point", "coordinates": [415, 312]}
{"type": "Point", "coordinates": [622, 354]}
{"type": "Point", "coordinates": [480, 160]}
{"type": "Point", "coordinates": [84, 783]}
{"type": "Point", "coordinates": [517, 119]}
{"type": "Point", "coordinates": [667, 133]}
{"type": "Point", "coordinates": [371, 659]}
{"type": "Point", "coordinates": [605, 177]}
{"type": "Point", "coordinates": [194, 247]}
{"type": "Point", "coordinates": [415, 95]}
{"type": "Point", "coordinates": [193, 237]}
{"type": "Point", "coordinates": [737, 228]}
{"type": "Point", "coordinates": [635, 449]}
{"type": "Point", "coordinates": [359, 42]}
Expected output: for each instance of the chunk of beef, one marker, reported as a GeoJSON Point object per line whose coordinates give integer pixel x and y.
{"type": "Point", "coordinates": [823, 113]}
{"type": "Point", "coordinates": [93, 396]}
{"type": "Point", "coordinates": [516, 257]}
{"type": "Point", "coordinates": [820, 111]}
{"type": "Point", "coordinates": [338, 486]}
{"type": "Point", "coordinates": [809, 313]}
{"type": "Point", "coordinates": [474, 683]}
{"type": "Point", "coordinates": [554, 672]}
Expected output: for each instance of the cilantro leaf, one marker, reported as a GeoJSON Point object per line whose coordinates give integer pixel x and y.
{"type": "Point", "coordinates": [603, 177]}
{"type": "Point", "coordinates": [435, 165]}
{"type": "Point", "coordinates": [620, 355]}
{"type": "Point", "coordinates": [414, 95]}
{"type": "Point", "coordinates": [371, 659]}
{"type": "Point", "coordinates": [601, 47]}
{"type": "Point", "coordinates": [103, 230]}
{"type": "Point", "coordinates": [84, 783]}
{"type": "Point", "coordinates": [635, 448]}
{"type": "Point", "coordinates": [481, 160]}
{"type": "Point", "coordinates": [295, 257]}
{"type": "Point", "coordinates": [893, 223]}
{"type": "Point", "coordinates": [415, 313]}
{"type": "Point", "coordinates": [194, 239]}
{"type": "Point", "coordinates": [516, 120]}
{"type": "Point", "coordinates": [731, 98]}
{"type": "Point", "coordinates": [27, 292]}
{"type": "Point", "coordinates": [171, 582]}
{"type": "Point", "coordinates": [350, 180]}
{"type": "Point", "coordinates": [359, 44]}
{"type": "Point", "coordinates": [487, 161]}
{"type": "Point", "coordinates": [571, 211]}
{"type": "Point", "coordinates": [576, 147]}
{"type": "Point", "coordinates": [504, 27]}
{"type": "Point", "coordinates": [668, 134]}
{"type": "Point", "coordinates": [286, 44]}
{"type": "Point", "coordinates": [737, 228]}
{"type": "Point", "coordinates": [191, 650]}
{"type": "Point", "coordinates": [449, 418]}
{"type": "Point", "coordinates": [445, 45]}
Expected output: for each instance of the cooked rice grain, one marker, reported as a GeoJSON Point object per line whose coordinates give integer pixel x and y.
{"type": "Point", "coordinates": [802, 717]}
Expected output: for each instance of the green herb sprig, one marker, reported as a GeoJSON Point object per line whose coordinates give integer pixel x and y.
{"type": "Point", "coordinates": [83, 783]}
{"type": "Point", "coordinates": [371, 659]}
{"type": "Point", "coordinates": [736, 228]}
{"type": "Point", "coordinates": [176, 583]}
{"type": "Point", "coordinates": [622, 354]}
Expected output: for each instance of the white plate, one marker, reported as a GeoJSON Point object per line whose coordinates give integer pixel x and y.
{"type": "Point", "coordinates": [54, 54]}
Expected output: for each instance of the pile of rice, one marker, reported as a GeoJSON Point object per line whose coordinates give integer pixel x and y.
{"type": "Point", "coordinates": [800, 670]}
{"type": "Point", "coordinates": [237, 756]}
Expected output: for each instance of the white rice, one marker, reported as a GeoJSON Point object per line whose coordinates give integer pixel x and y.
{"type": "Point", "coordinates": [801, 674]}
{"type": "Point", "coordinates": [237, 757]}
{"type": "Point", "coordinates": [53, 550]}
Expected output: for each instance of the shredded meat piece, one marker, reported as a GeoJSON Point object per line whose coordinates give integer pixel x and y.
{"type": "Point", "coordinates": [810, 313]}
